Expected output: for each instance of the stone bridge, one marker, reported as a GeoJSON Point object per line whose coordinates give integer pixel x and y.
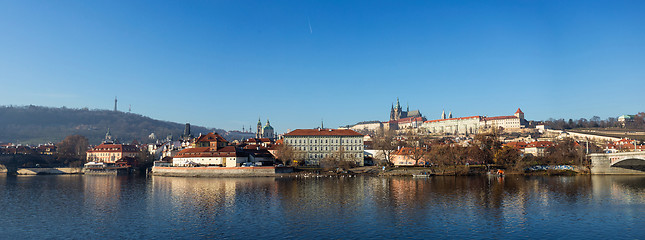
{"type": "Point", "coordinates": [618, 163]}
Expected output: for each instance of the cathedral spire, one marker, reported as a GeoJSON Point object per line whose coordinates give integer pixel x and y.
{"type": "Point", "coordinates": [450, 114]}
{"type": "Point", "coordinates": [443, 114]}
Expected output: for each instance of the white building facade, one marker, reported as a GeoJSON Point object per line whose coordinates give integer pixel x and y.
{"type": "Point", "coordinates": [314, 145]}
{"type": "Point", "coordinates": [465, 125]}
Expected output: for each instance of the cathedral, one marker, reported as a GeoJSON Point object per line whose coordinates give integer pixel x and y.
{"type": "Point", "coordinates": [397, 113]}
{"type": "Point", "coordinates": [266, 131]}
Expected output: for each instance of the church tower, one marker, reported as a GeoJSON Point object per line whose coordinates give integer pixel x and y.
{"type": "Point", "coordinates": [450, 114]}
{"type": "Point", "coordinates": [187, 135]}
{"type": "Point", "coordinates": [443, 114]}
{"type": "Point", "coordinates": [258, 134]}
{"type": "Point", "coordinates": [267, 130]}
{"type": "Point", "coordinates": [395, 114]}
{"type": "Point", "coordinates": [108, 137]}
{"type": "Point", "coordinates": [519, 114]}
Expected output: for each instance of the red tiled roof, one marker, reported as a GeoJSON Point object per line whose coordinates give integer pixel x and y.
{"type": "Point", "coordinates": [252, 140]}
{"type": "Point", "coordinates": [410, 119]}
{"type": "Point", "coordinates": [106, 147]}
{"type": "Point", "coordinates": [461, 118]}
{"type": "Point", "coordinates": [323, 132]}
{"type": "Point", "coordinates": [499, 118]}
{"type": "Point", "coordinates": [228, 151]}
{"type": "Point", "coordinates": [407, 151]}
{"type": "Point", "coordinates": [541, 144]}
{"type": "Point", "coordinates": [254, 146]}
{"type": "Point", "coordinates": [211, 137]}
{"type": "Point", "coordinates": [519, 111]}
{"type": "Point", "coordinates": [518, 145]}
{"type": "Point", "coordinates": [624, 141]}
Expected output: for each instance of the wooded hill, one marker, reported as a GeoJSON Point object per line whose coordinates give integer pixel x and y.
{"type": "Point", "coordinates": [36, 124]}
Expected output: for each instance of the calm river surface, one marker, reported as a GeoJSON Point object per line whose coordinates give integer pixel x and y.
{"type": "Point", "coordinates": [90, 207]}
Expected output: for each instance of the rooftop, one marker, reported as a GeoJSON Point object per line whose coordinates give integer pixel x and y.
{"type": "Point", "coordinates": [323, 132]}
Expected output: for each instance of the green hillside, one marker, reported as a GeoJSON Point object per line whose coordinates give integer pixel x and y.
{"type": "Point", "coordinates": [35, 124]}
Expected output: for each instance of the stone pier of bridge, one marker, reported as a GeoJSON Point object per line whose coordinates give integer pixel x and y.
{"type": "Point", "coordinates": [618, 163]}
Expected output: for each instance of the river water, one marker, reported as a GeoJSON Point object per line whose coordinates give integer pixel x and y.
{"type": "Point", "coordinates": [125, 207]}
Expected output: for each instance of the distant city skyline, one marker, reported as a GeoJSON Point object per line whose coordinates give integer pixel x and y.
{"type": "Point", "coordinates": [224, 64]}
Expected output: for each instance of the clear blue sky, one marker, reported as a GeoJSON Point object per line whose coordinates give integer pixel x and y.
{"type": "Point", "coordinates": [225, 63]}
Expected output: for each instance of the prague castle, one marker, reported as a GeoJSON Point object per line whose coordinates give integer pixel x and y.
{"type": "Point", "coordinates": [447, 124]}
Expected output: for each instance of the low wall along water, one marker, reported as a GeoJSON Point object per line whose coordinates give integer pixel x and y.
{"type": "Point", "coordinates": [42, 171]}
{"type": "Point", "coordinates": [220, 171]}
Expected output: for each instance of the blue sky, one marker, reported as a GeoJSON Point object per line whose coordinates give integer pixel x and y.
{"type": "Point", "coordinates": [225, 63]}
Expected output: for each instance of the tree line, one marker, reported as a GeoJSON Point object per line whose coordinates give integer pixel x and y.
{"type": "Point", "coordinates": [35, 124]}
{"type": "Point", "coordinates": [638, 122]}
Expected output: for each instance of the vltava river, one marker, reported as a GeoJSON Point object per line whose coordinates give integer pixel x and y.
{"type": "Point", "coordinates": [91, 207]}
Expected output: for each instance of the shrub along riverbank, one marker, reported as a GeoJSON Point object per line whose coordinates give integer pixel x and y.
{"type": "Point", "coordinates": [461, 170]}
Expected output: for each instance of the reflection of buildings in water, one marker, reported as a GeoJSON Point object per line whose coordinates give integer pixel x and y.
{"type": "Point", "coordinates": [208, 195]}
{"type": "Point", "coordinates": [102, 190]}
{"type": "Point", "coordinates": [318, 198]}
{"type": "Point", "coordinates": [103, 198]}
{"type": "Point", "coordinates": [626, 189]}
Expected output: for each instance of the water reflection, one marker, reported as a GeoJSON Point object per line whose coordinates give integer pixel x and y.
{"type": "Point", "coordinates": [323, 208]}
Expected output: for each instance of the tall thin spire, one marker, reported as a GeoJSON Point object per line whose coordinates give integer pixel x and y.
{"type": "Point", "coordinates": [115, 103]}
{"type": "Point", "coordinates": [443, 114]}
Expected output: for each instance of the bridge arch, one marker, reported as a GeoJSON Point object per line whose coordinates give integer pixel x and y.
{"type": "Point", "coordinates": [633, 163]}
{"type": "Point", "coordinates": [629, 161]}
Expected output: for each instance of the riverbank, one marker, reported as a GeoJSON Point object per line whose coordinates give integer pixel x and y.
{"type": "Point", "coordinates": [41, 171]}
{"type": "Point", "coordinates": [220, 171]}
{"type": "Point", "coordinates": [476, 170]}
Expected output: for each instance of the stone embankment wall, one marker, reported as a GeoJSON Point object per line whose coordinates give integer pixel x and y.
{"type": "Point", "coordinates": [220, 171]}
{"type": "Point", "coordinates": [584, 136]}
{"type": "Point", "coordinates": [37, 171]}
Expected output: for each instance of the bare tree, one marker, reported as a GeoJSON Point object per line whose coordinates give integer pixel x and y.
{"type": "Point", "coordinates": [489, 143]}
{"type": "Point", "coordinates": [337, 160]}
{"type": "Point", "coordinates": [73, 146]}
{"type": "Point", "coordinates": [72, 150]}
{"type": "Point", "coordinates": [417, 146]}
{"type": "Point", "coordinates": [384, 142]}
{"type": "Point", "coordinates": [287, 154]}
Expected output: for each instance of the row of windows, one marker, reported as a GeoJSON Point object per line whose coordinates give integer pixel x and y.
{"type": "Point", "coordinates": [348, 155]}
{"type": "Point", "coordinates": [301, 141]}
{"type": "Point", "coordinates": [346, 148]}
